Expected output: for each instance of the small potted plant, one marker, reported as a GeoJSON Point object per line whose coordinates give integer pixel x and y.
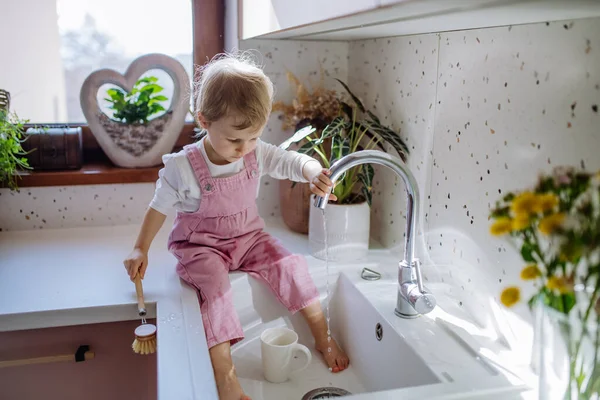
{"type": "Point", "coordinates": [140, 130]}
{"type": "Point", "coordinates": [12, 155]}
{"type": "Point", "coordinates": [354, 129]}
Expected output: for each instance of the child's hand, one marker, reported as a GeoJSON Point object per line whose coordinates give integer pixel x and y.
{"type": "Point", "coordinates": [321, 185]}
{"type": "Point", "coordinates": [136, 262]}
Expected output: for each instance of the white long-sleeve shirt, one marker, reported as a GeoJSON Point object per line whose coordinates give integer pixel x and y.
{"type": "Point", "coordinates": [177, 186]}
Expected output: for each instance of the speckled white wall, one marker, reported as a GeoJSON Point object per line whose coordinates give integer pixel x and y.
{"type": "Point", "coordinates": [396, 79]}
{"type": "Point", "coordinates": [304, 59]}
{"type": "Point", "coordinates": [72, 206]}
{"type": "Point", "coordinates": [512, 102]}
{"type": "Point", "coordinates": [98, 205]}
{"type": "Point", "coordinates": [492, 109]}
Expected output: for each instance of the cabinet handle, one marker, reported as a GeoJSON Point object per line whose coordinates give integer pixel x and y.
{"type": "Point", "coordinates": [83, 353]}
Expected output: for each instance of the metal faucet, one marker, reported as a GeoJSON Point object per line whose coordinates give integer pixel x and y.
{"type": "Point", "coordinates": [413, 300]}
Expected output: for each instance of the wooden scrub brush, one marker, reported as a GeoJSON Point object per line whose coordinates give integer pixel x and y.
{"type": "Point", "coordinates": [145, 334]}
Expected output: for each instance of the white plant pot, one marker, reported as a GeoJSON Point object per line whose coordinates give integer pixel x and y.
{"type": "Point", "coordinates": [347, 231]}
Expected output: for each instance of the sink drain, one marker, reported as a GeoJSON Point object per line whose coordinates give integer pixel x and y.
{"type": "Point", "coordinates": [325, 393]}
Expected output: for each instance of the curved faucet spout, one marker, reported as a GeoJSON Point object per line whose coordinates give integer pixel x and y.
{"type": "Point", "coordinates": [420, 301]}
{"type": "Point", "coordinates": [400, 168]}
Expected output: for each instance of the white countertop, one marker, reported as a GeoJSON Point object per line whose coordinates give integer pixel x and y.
{"type": "Point", "coordinates": [75, 276]}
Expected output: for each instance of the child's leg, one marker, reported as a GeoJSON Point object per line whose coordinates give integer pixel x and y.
{"type": "Point", "coordinates": [287, 276]}
{"type": "Point", "coordinates": [225, 377]}
{"type": "Point", "coordinates": [209, 274]}
{"type": "Point", "coordinates": [334, 356]}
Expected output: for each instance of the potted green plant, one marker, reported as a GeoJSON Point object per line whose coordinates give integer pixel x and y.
{"type": "Point", "coordinates": [12, 155]}
{"type": "Point", "coordinates": [354, 129]}
{"type": "Point", "coordinates": [141, 128]}
{"type": "Point", "coordinates": [314, 105]}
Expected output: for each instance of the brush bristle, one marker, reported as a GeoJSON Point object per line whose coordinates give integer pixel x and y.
{"type": "Point", "coordinates": [144, 346]}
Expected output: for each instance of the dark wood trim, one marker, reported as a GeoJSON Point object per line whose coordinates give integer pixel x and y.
{"type": "Point", "coordinates": [209, 31]}
{"type": "Point", "coordinates": [92, 173]}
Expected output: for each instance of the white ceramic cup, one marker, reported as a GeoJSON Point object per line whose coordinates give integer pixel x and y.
{"type": "Point", "coordinates": [278, 346]}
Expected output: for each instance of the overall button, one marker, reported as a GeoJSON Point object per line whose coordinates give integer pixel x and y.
{"type": "Point", "coordinates": [254, 173]}
{"type": "Point", "coordinates": [208, 187]}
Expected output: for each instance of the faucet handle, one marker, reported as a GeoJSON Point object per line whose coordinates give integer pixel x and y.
{"type": "Point", "coordinates": [413, 299]}
{"type": "Point", "coordinates": [417, 268]}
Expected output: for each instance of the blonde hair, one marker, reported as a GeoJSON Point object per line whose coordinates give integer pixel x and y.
{"type": "Point", "coordinates": [234, 83]}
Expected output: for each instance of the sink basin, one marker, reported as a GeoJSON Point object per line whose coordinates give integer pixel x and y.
{"type": "Point", "coordinates": [380, 359]}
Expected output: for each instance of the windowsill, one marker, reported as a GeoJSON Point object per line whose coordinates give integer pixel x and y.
{"type": "Point", "coordinates": [98, 172]}
{"type": "Point", "coordinates": [97, 169]}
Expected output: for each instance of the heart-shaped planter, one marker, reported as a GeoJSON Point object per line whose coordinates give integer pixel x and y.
{"type": "Point", "coordinates": [137, 146]}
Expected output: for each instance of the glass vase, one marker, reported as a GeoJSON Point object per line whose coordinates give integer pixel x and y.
{"type": "Point", "coordinates": [568, 353]}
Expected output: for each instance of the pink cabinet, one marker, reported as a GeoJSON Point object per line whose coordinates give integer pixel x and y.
{"type": "Point", "coordinates": [114, 373]}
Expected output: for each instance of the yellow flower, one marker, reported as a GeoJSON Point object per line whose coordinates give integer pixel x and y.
{"type": "Point", "coordinates": [501, 226]}
{"type": "Point", "coordinates": [510, 296]}
{"type": "Point", "coordinates": [530, 272]}
{"type": "Point", "coordinates": [525, 203]}
{"type": "Point", "coordinates": [551, 222]}
{"type": "Point", "coordinates": [545, 202]}
{"type": "Point", "coordinates": [559, 283]}
{"type": "Point", "coordinates": [520, 222]}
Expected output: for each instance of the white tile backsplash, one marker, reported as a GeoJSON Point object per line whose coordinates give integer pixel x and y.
{"type": "Point", "coordinates": [396, 79]}
{"type": "Point", "coordinates": [493, 108]}
{"type": "Point", "coordinates": [512, 102]}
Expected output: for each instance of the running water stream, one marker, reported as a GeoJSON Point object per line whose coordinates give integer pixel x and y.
{"type": "Point", "coordinates": [327, 281]}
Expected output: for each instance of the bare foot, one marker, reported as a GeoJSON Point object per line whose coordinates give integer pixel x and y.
{"type": "Point", "coordinates": [336, 359]}
{"type": "Point", "coordinates": [229, 388]}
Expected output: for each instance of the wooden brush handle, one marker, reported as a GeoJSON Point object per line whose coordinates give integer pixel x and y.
{"type": "Point", "coordinates": [139, 290]}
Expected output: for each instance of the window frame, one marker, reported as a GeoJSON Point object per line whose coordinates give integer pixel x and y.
{"type": "Point", "coordinates": [208, 21]}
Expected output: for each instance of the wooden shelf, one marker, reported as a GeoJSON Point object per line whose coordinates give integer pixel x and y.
{"type": "Point", "coordinates": [97, 172]}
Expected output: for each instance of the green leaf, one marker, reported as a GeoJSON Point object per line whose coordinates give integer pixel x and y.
{"type": "Point", "coordinates": [527, 252]}
{"type": "Point", "coordinates": [155, 108]}
{"type": "Point", "coordinates": [347, 109]}
{"type": "Point", "coordinates": [374, 117]}
{"type": "Point", "coordinates": [153, 87]}
{"type": "Point", "coordinates": [307, 148]}
{"type": "Point", "coordinates": [354, 98]}
{"type": "Point", "coordinates": [116, 94]}
{"type": "Point", "coordinates": [387, 135]}
{"type": "Point", "coordinates": [335, 128]}
{"type": "Point", "coordinates": [568, 301]}
{"type": "Point", "coordinates": [366, 178]}
{"type": "Point", "coordinates": [160, 98]}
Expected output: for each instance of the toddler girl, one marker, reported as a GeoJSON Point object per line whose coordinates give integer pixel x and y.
{"type": "Point", "coordinates": [213, 184]}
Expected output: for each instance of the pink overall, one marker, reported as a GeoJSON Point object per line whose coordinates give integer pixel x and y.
{"type": "Point", "coordinates": [226, 234]}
